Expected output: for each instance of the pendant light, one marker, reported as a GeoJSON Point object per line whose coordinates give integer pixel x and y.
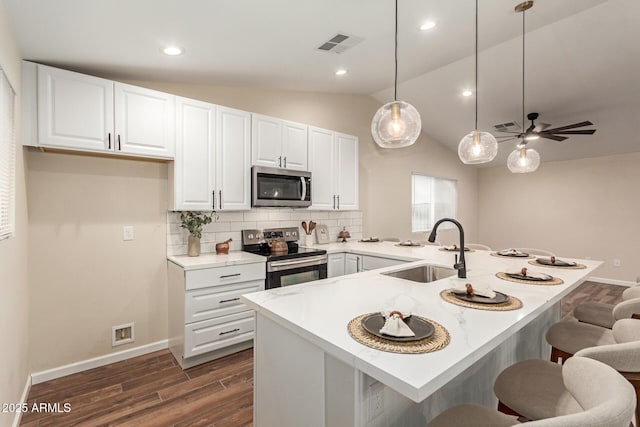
{"type": "Point", "coordinates": [396, 124]}
{"type": "Point", "coordinates": [523, 159]}
{"type": "Point", "coordinates": [477, 147]}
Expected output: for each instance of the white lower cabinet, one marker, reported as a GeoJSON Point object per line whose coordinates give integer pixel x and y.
{"type": "Point", "coordinates": [352, 263]}
{"type": "Point", "coordinates": [207, 320]}
{"type": "Point", "coordinates": [342, 263]}
{"type": "Point", "coordinates": [335, 265]}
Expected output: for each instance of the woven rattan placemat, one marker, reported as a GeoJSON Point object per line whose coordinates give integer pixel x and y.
{"type": "Point", "coordinates": [553, 281]}
{"type": "Point", "coordinates": [510, 257]}
{"type": "Point", "coordinates": [563, 267]}
{"type": "Point", "coordinates": [439, 340]}
{"type": "Point", "coordinates": [512, 303]}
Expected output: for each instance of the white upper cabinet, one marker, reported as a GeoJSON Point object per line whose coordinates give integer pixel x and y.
{"type": "Point", "coordinates": [333, 162]}
{"type": "Point", "coordinates": [74, 110]}
{"type": "Point", "coordinates": [233, 173]}
{"type": "Point", "coordinates": [278, 143]}
{"type": "Point", "coordinates": [211, 170]}
{"type": "Point", "coordinates": [195, 158]}
{"type": "Point", "coordinates": [144, 121]}
{"type": "Point", "coordinates": [87, 113]}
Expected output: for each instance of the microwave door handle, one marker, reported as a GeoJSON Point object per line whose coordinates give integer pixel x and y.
{"type": "Point", "coordinates": [304, 188]}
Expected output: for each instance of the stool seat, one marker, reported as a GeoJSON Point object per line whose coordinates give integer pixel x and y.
{"type": "Point", "coordinates": [535, 390]}
{"type": "Point", "coordinates": [571, 337]}
{"type": "Point", "coordinates": [596, 313]}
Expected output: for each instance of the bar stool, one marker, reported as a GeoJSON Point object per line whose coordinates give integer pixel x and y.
{"type": "Point", "coordinates": [534, 389]}
{"type": "Point", "coordinates": [605, 315]}
{"type": "Point", "coordinates": [604, 397]}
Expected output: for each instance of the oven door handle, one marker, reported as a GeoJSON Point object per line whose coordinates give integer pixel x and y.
{"type": "Point", "coordinates": [304, 188]}
{"type": "Point", "coordinates": [297, 263]}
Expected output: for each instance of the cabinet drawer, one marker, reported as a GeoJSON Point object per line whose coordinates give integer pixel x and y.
{"type": "Point", "coordinates": [372, 263]}
{"type": "Point", "coordinates": [208, 335]}
{"type": "Point", "coordinates": [203, 304]}
{"type": "Point", "coordinates": [206, 277]}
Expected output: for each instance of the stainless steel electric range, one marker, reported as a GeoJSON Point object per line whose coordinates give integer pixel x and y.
{"type": "Point", "coordinates": [296, 265]}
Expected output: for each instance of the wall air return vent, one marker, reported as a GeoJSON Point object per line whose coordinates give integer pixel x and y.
{"type": "Point", "coordinates": [339, 43]}
{"type": "Point", "coordinates": [512, 126]}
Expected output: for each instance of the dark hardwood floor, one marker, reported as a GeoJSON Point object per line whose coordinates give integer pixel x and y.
{"type": "Point", "coordinates": [152, 390]}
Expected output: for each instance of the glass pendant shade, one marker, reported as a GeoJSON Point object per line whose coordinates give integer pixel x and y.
{"type": "Point", "coordinates": [477, 147]}
{"type": "Point", "coordinates": [523, 160]}
{"type": "Point", "coordinates": [396, 124]}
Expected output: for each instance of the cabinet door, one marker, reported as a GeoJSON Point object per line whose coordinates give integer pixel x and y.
{"type": "Point", "coordinates": [74, 110]}
{"type": "Point", "coordinates": [194, 163]}
{"type": "Point", "coordinates": [144, 121]}
{"type": "Point", "coordinates": [266, 141]}
{"type": "Point", "coordinates": [233, 175]}
{"type": "Point", "coordinates": [347, 170]}
{"type": "Point", "coordinates": [322, 167]}
{"type": "Point", "coordinates": [295, 145]}
{"type": "Point", "coordinates": [352, 263]}
{"type": "Point", "coordinates": [335, 265]}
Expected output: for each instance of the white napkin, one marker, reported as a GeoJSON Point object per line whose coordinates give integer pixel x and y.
{"type": "Point", "coordinates": [556, 261]}
{"type": "Point", "coordinates": [529, 273]}
{"type": "Point", "coordinates": [478, 289]}
{"type": "Point", "coordinates": [510, 252]}
{"type": "Point", "coordinates": [394, 325]}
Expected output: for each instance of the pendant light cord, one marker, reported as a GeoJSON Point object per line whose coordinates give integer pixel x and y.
{"type": "Point", "coordinates": [476, 119]}
{"type": "Point", "coordinates": [523, 127]}
{"type": "Point", "coordinates": [395, 79]}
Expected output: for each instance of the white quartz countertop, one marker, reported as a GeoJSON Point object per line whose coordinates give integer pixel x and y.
{"type": "Point", "coordinates": [208, 260]}
{"type": "Point", "coordinates": [319, 311]}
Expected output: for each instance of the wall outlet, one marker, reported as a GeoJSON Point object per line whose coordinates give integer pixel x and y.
{"type": "Point", "coordinates": [616, 262]}
{"type": "Point", "coordinates": [122, 334]}
{"type": "Point", "coordinates": [127, 232]}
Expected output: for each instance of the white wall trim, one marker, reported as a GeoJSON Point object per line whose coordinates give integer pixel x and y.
{"type": "Point", "coordinates": [83, 365]}
{"type": "Point", "coordinates": [612, 281]}
{"type": "Point", "coordinates": [23, 399]}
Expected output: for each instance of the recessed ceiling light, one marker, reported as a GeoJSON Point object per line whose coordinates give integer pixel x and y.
{"type": "Point", "coordinates": [173, 50]}
{"type": "Point", "coordinates": [467, 93]}
{"type": "Point", "coordinates": [429, 25]}
{"type": "Point", "coordinates": [341, 72]}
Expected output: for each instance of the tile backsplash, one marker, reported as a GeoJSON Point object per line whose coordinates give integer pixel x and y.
{"type": "Point", "coordinates": [227, 225]}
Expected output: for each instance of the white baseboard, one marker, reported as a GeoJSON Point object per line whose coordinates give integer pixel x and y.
{"type": "Point", "coordinates": [23, 399]}
{"type": "Point", "coordinates": [612, 281]}
{"type": "Point", "coordinates": [83, 365]}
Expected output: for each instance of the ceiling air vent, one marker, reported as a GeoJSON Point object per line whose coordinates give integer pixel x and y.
{"type": "Point", "coordinates": [339, 43]}
{"type": "Point", "coordinates": [512, 126]}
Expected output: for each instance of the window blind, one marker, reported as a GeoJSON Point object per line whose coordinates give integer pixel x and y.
{"type": "Point", "coordinates": [431, 199]}
{"type": "Point", "coordinates": [7, 158]}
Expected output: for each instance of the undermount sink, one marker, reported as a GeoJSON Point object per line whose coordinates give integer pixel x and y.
{"type": "Point", "coordinates": [424, 273]}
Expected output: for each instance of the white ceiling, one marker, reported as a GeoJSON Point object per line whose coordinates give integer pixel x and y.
{"type": "Point", "coordinates": [583, 56]}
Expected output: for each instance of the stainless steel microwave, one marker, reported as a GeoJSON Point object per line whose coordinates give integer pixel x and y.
{"type": "Point", "coordinates": [280, 187]}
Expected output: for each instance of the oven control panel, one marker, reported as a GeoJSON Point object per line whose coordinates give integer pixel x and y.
{"type": "Point", "coordinates": [254, 237]}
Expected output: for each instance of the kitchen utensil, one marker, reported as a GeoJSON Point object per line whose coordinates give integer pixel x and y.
{"type": "Point", "coordinates": [278, 246]}
{"type": "Point", "coordinates": [312, 226]}
{"type": "Point", "coordinates": [223, 248]}
{"type": "Point", "coordinates": [375, 322]}
{"type": "Point", "coordinates": [304, 227]}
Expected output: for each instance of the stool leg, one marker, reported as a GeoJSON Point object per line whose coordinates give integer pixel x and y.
{"type": "Point", "coordinates": [506, 410]}
{"type": "Point", "coordinates": [557, 354]}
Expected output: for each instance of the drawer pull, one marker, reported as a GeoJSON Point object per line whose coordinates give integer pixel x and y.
{"type": "Point", "coordinates": [229, 275]}
{"type": "Point", "coordinates": [229, 332]}
{"type": "Point", "coordinates": [229, 300]}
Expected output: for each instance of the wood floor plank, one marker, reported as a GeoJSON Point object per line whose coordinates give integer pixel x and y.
{"type": "Point", "coordinates": [151, 390]}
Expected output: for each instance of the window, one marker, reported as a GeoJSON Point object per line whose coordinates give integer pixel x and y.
{"type": "Point", "coordinates": [7, 159]}
{"type": "Point", "coordinates": [431, 199]}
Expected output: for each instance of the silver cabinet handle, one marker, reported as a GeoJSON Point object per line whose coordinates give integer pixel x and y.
{"type": "Point", "coordinates": [285, 161]}
{"type": "Point", "coordinates": [280, 161]}
{"type": "Point", "coordinates": [334, 201]}
{"type": "Point", "coordinates": [109, 140]}
{"type": "Point", "coordinates": [229, 275]}
{"type": "Point", "coordinates": [229, 300]}
{"type": "Point", "coordinates": [338, 202]}
{"type": "Point", "coordinates": [119, 146]}
{"type": "Point", "coordinates": [214, 199]}
{"type": "Point", "coordinates": [220, 201]}
{"type": "Point", "coordinates": [228, 332]}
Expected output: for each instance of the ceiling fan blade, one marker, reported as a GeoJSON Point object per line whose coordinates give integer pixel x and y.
{"type": "Point", "coordinates": [507, 140]}
{"type": "Point", "coordinates": [540, 127]}
{"type": "Point", "coordinates": [506, 131]}
{"type": "Point", "coordinates": [553, 137]}
{"type": "Point", "coordinates": [575, 125]}
{"type": "Point", "coordinates": [574, 132]}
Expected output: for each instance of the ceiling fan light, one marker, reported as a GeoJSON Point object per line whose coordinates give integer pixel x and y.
{"type": "Point", "coordinates": [396, 124]}
{"type": "Point", "coordinates": [523, 160]}
{"type": "Point", "coordinates": [477, 147]}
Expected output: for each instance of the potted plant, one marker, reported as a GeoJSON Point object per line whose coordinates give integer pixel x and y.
{"type": "Point", "coordinates": [194, 221]}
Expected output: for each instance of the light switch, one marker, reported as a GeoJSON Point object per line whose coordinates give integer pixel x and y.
{"type": "Point", "coordinates": [127, 232]}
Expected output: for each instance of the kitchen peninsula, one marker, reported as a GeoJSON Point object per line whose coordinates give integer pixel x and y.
{"type": "Point", "coordinates": [310, 371]}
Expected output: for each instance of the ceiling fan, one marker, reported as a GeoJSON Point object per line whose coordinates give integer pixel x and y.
{"type": "Point", "coordinates": [540, 130]}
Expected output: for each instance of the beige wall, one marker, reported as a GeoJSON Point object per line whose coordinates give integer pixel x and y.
{"type": "Point", "coordinates": [385, 175]}
{"type": "Point", "coordinates": [580, 208]}
{"type": "Point", "coordinates": [84, 277]}
{"type": "Point", "coordinates": [14, 286]}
